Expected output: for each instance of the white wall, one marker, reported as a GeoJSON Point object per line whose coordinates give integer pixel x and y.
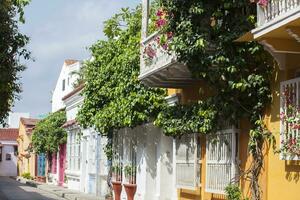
{"type": "Point", "coordinates": [67, 73]}
{"type": "Point", "coordinates": [8, 167]}
{"type": "Point", "coordinates": [155, 176]}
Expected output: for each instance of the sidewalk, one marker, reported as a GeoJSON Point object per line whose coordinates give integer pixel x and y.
{"type": "Point", "coordinates": [59, 191]}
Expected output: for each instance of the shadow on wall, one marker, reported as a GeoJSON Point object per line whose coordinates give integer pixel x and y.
{"type": "Point", "coordinates": [292, 169]}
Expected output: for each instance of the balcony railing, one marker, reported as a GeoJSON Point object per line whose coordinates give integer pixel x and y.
{"type": "Point", "coordinates": [160, 67]}
{"type": "Point", "coordinates": [276, 9]}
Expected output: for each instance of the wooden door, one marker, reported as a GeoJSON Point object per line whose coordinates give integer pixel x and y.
{"type": "Point", "coordinates": [62, 164]}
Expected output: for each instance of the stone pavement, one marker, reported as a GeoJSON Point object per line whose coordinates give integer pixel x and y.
{"type": "Point", "coordinates": [12, 190]}
{"type": "Point", "coordinates": [60, 191]}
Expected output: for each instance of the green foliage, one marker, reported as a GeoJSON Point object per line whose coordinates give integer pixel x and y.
{"type": "Point", "coordinates": [130, 170]}
{"type": "Point", "coordinates": [181, 119]}
{"type": "Point", "coordinates": [233, 192]}
{"type": "Point", "coordinates": [49, 134]}
{"type": "Point", "coordinates": [12, 50]}
{"type": "Point", "coordinates": [239, 73]}
{"type": "Point", "coordinates": [27, 175]}
{"type": "Point", "coordinates": [113, 96]}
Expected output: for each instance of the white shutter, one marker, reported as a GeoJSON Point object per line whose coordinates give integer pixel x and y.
{"type": "Point", "coordinates": [291, 87]}
{"type": "Point", "coordinates": [187, 162]}
{"type": "Point", "coordinates": [220, 160]}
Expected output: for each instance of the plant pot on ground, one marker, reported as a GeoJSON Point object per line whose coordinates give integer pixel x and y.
{"type": "Point", "coordinates": [117, 180]}
{"type": "Point", "coordinates": [117, 188]}
{"type": "Point", "coordinates": [130, 185]}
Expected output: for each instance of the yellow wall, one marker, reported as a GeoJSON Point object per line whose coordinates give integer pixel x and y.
{"type": "Point", "coordinates": [25, 165]}
{"type": "Point", "coordinates": [283, 176]}
{"type": "Point", "coordinates": [279, 179]}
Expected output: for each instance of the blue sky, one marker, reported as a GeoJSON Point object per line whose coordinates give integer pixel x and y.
{"type": "Point", "coordinates": [59, 30]}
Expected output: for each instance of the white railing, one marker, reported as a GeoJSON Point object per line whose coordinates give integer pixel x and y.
{"type": "Point", "coordinates": [274, 9]}
{"type": "Point", "coordinates": [289, 105]}
{"type": "Point", "coordinates": [160, 58]}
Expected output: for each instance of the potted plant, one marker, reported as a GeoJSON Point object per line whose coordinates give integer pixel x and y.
{"type": "Point", "coordinates": [117, 180]}
{"type": "Point", "coordinates": [130, 177]}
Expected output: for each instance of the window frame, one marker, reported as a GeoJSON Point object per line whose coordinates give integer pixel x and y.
{"type": "Point", "coordinates": [196, 161]}
{"type": "Point", "coordinates": [233, 162]}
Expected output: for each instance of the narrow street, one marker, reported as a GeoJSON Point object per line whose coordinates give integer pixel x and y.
{"type": "Point", "coordinates": [13, 190]}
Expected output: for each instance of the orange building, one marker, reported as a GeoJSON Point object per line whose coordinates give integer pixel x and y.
{"type": "Point", "coordinates": [202, 168]}
{"type": "Point", "coordinates": [26, 157]}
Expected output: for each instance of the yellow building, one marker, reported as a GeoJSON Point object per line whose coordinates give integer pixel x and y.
{"type": "Point", "coordinates": [279, 31]}
{"type": "Point", "coordinates": [26, 157]}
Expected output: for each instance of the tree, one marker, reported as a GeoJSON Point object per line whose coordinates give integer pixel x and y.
{"type": "Point", "coordinates": [12, 50]}
{"type": "Point", "coordinates": [49, 134]}
{"type": "Point", "coordinates": [113, 96]}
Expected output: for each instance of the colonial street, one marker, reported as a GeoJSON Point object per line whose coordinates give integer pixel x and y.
{"type": "Point", "coordinates": [13, 190]}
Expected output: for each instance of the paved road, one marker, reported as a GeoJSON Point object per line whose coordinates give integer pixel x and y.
{"type": "Point", "coordinates": [13, 190]}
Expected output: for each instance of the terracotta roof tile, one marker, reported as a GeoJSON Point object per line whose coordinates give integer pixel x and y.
{"type": "Point", "coordinates": [9, 134]}
{"type": "Point", "coordinates": [69, 62]}
{"type": "Point", "coordinates": [29, 121]}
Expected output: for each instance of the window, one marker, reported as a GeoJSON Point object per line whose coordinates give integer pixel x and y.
{"type": "Point", "coordinates": [221, 156]}
{"type": "Point", "coordinates": [1, 149]}
{"type": "Point", "coordinates": [7, 156]}
{"type": "Point", "coordinates": [188, 161]}
{"type": "Point", "coordinates": [63, 85]}
{"type": "Point", "coordinates": [92, 154]}
{"type": "Point", "coordinates": [73, 150]}
{"type": "Point", "coordinates": [289, 119]}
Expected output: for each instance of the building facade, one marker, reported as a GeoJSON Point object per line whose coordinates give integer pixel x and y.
{"type": "Point", "coordinates": [26, 155]}
{"type": "Point", "coordinates": [8, 151]}
{"type": "Point", "coordinates": [86, 166]}
{"type": "Point", "coordinates": [278, 30]}
{"type": "Point", "coordinates": [56, 163]}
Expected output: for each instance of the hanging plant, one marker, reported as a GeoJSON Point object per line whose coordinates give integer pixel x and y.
{"type": "Point", "coordinates": [161, 43]}
{"type": "Point", "coordinates": [262, 3]}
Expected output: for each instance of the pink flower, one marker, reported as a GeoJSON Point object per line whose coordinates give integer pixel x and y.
{"type": "Point", "coordinates": [160, 13]}
{"type": "Point", "coordinates": [160, 23]}
{"type": "Point", "coordinates": [263, 3]}
{"type": "Point", "coordinates": [165, 46]}
{"type": "Point", "coordinates": [151, 53]}
{"type": "Point", "coordinates": [169, 35]}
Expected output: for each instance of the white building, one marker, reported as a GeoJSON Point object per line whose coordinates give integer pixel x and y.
{"type": "Point", "coordinates": [86, 161]}
{"type": "Point", "coordinates": [65, 83]}
{"type": "Point", "coordinates": [8, 151]}
{"type": "Point", "coordinates": [152, 154]}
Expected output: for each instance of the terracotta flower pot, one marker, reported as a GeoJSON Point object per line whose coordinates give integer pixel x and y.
{"type": "Point", "coordinates": [117, 187]}
{"type": "Point", "coordinates": [130, 191]}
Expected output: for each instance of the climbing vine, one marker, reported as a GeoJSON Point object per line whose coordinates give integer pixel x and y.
{"type": "Point", "coordinates": [203, 34]}
{"type": "Point", "coordinates": [49, 134]}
